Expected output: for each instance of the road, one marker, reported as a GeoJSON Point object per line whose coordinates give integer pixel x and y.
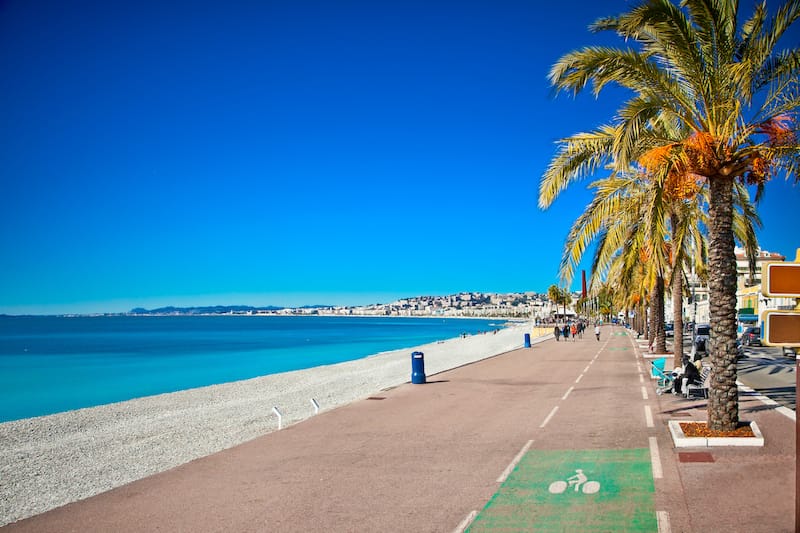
{"type": "Point", "coordinates": [771, 373]}
{"type": "Point", "coordinates": [765, 369]}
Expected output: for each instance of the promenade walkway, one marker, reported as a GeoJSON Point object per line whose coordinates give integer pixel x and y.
{"type": "Point", "coordinates": [491, 446]}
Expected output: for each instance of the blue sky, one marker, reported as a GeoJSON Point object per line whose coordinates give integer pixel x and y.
{"type": "Point", "coordinates": [289, 153]}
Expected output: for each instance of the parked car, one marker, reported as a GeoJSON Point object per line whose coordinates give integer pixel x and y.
{"type": "Point", "coordinates": [752, 336]}
{"type": "Point", "coordinates": [669, 329]}
{"type": "Point", "coordinates": [788, 352]}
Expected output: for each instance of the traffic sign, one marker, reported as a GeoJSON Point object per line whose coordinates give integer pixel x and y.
{"type": "Point", "coordinates": [781, 328]}
{"type": "Point", "coordinates": [781, 279]}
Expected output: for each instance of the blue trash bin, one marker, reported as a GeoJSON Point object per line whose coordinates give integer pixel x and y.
{"type": "Point", "coordinates": [527, 340]}
{"type": "Point", "coordinates": [417, 367]}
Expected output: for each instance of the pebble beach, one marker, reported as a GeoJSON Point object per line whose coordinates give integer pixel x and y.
{"type": "Point", "coordinates": [50, 461]}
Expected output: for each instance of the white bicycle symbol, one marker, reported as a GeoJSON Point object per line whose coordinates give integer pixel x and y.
{"type": "Point", "coordinates": [579, 481]}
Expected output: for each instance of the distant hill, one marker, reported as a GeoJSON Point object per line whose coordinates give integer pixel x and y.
{"type": "Point", "coordinates": [203, 310]}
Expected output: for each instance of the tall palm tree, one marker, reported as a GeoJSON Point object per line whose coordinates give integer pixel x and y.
{"type": "Point", "coordinates": [729, 85]}
{"type": "Point", "coordinates": [559, 296]}
{"type": "Point", "coordinates": [633, 210]}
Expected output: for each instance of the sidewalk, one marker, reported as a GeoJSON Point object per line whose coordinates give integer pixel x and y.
{"type": "Point", "coordinates": [488, 446]}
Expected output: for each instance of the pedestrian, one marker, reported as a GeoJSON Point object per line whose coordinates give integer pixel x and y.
{"type": "Point", "coordinates": [565, 331]}
{"type": "Point", "coordinates": [574, 332]}
{"type": "Point", "coordinates": [689, 376]}
{"type": "Point", "coordinates": [597, 331]}
{"type": "Point", "coordinates": [557, 332]}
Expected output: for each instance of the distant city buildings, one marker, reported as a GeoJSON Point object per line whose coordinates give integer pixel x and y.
{"type": "Point", "coordinates": [464, 304]}
{"type": "Point", "coordinates": [524, 305]}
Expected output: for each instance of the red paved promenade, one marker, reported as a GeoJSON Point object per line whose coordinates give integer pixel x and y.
{"type": "Point", "coordinates": [479, 446]}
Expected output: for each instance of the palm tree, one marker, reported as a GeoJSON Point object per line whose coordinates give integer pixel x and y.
{"type": "Point", "coordinates": [559, 296]}
{"type": "Point", "coordinates": [693, 65]}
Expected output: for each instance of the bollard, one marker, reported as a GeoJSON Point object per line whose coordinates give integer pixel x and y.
{"type": "Point", "coordinates": [417, 367]}
{"type": "Point", "coordinates": [527, 340]}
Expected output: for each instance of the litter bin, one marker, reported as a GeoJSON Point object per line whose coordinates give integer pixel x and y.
{"type": "Point", "coordinates": [527, 340]}
{"type": "Point", "coordinates": [417, 367]}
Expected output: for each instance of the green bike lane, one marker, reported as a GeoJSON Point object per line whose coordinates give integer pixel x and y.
{"type": "Point", "coordinates": [589, 465]}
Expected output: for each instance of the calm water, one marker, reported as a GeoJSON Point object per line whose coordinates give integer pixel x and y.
{"type": "Point", "coordinates": [54, 364]}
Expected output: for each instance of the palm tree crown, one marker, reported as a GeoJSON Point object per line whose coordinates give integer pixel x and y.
{"type": "Point", "coordinates": [714, 107]}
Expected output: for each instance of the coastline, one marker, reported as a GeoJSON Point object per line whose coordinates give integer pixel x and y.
{"type": "Point", "coordinates": [49, 461]}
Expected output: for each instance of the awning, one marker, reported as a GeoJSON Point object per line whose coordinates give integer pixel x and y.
{"type": "Point", "coordinates": [748, 318]}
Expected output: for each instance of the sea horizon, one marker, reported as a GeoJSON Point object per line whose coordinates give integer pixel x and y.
{"type": "Point", "coordinates": [51, 364]}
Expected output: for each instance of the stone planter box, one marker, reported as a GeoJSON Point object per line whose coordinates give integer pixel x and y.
{"type": "Point", "coordinates": [682, 441]}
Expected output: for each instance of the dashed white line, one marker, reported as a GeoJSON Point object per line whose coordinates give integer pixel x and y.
{"type": "Point", "coordinates": [655, 459]}
{"type": "Point", "coordinates": [648, 416]}
{"type": "Point", "coordinates": [567, 393]}
{"type": "Point", "coordinates": [663, 522]}
{"type": "Point", "coordinates": [585, 370]}
{"type": "Point", "coordinates": [644, 393]}
{"type": "Point", "coordinates": [466, 522]}
{"type": "Point", "coordinates": [546, 420]}
{"type": "Point", "coordinates": [579, 379]}
{"type": "Point", "coordinates": [514, 462]}
{"type": "Point", "coordinates": [641, 378]}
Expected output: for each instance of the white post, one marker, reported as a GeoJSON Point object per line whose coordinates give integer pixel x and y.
{"type": "Point", "coordinates": [280, 417]}
{"type": "Point", "coordinates": [316, 406]}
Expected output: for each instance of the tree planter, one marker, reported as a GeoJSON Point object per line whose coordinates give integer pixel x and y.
{"type": "Point", "coordinates": [684, 439]}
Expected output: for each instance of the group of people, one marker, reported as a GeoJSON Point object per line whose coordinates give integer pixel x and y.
{"type": "Point", "coordinates": [573, 329]}
{"type": "Point", "coordinates": [687, 374]}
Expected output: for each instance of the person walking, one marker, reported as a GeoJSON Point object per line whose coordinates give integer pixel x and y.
{"type": "Point", "coordinates": [597, 331]}
{"type": "Point", "coordinates": [557, 332]}
{"type": "Point", "coordinates": [565, 331]}
{"type": "Point", "coordinates": [574, 332]}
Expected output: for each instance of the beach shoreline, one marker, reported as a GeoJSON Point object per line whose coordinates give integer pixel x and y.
{"type": "Point", "coordinates": [49, 461]}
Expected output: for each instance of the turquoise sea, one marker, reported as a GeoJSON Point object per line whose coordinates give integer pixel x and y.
{"type": "Point", "coordinates": [54, 364]}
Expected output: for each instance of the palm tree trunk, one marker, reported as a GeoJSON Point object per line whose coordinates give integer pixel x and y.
{"type": "Point", "coordinates": [677, 315]}
{"type": "Point", "coordinates": [723, 402]}
{"type": "Point", "coordinates": [658, 316]}
{"type": "Point", "coordinates": [677, 295]}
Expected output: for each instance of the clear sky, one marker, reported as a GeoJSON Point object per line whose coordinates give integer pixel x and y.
{"type": "Point", "coordinates": [289, 153]}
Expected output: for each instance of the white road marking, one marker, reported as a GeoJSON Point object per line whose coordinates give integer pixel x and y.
{"type": "Point", "coordinates": [663, 522]}
{"type": "Point", "coordinates": [788, 413]}
{"type": "Point", "coordinates": [514, 462]}
{"type": "Point", "coordinates": [466, 522]}
{"type": "Point", "coordinates": [585, 370]}
{"type": "Point", "coordinates": [648, 416]}
{"type": "Point", "coordinates": [785, 411]}
{"type": "Point", "coordinates": [546, 420]}
{"type": "Point", "coordinates": [567, 393]}
{"type": "Point", "coordinates": [655, 459]}
{"type": "Point", "coordinates": [644, 393]}
{"type": "Point", "coordinates": [579, 379]}
{"type": "Point", "coordinates": [641, 378]}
